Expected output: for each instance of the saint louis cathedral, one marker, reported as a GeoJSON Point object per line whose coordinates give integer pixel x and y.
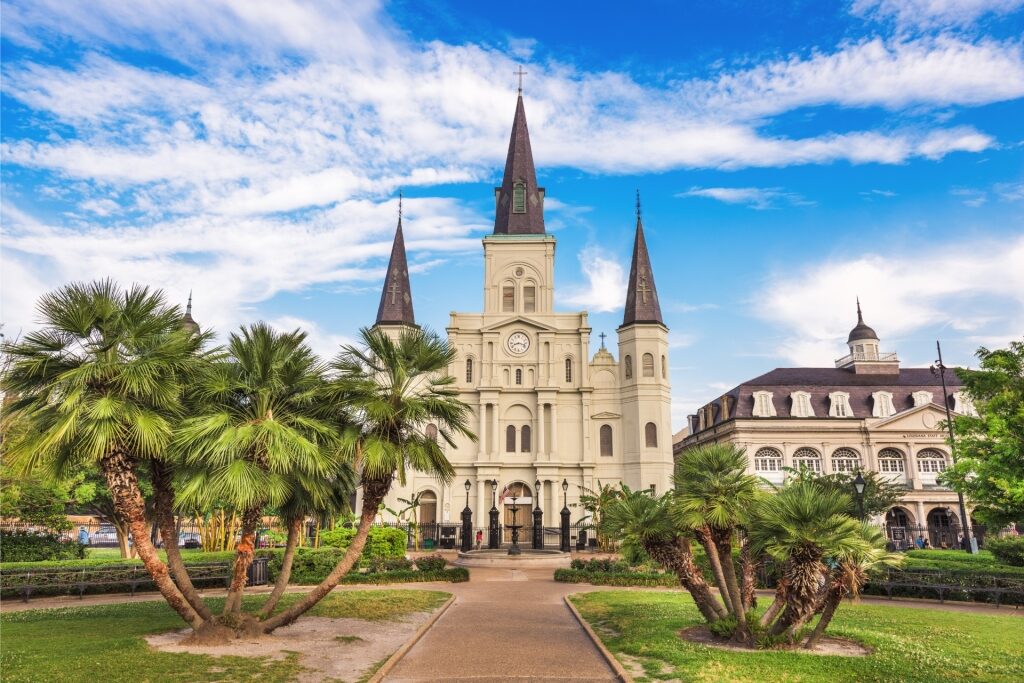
{"type": "Point", "coordinates": [546, 412]}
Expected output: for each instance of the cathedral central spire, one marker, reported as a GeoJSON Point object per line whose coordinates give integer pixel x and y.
{"type": "Point", "coordinates": [396, 298]}
{"type": "Point", "coordinates": [519, 203]}
{"type": "Point", "coordinates": [642, 296]}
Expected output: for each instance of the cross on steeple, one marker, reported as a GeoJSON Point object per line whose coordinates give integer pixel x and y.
{"type": "Point", "coordinates": [638, 204]}
{"type": "Point", "coordinates": [602, 336]}
{"type": "Point", "coordinates": [394, 289]}
{"type": "Point", "coordinates": [399, 205]}
{"type": "Point", "coordinates": [642, 287]}
{"type": "Point", "coordinates": [520, 73]}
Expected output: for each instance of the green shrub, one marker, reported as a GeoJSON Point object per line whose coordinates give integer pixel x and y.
{"type": "Point", "coordinates": [389, 564]}
{"type": "Point", "coordinates": [382, 542]}
{"type": "Point", "coordinates": [1009, 550]}
{"type": "Point", "coordinates": [430, 563]}
{"type": "Point", "coordinates": [451, 575]}
{"type": "Point", "coordinates": [601, 565]}
{"type": "Point", "coordinates": [26, 546]}
{"type": "Point", "coordinates": [600, 578]}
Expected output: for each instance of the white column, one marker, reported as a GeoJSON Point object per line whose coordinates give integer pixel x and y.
{"type": "Point", "coordinates": [495, 432]}
{"type": "Point", "coordinates": [481, 503]}
{"type": "Point", "coordinates": [921, 519]}
{"type": "Point", "coordinates": [554, 427]}
{"type": "Point", "coordinates": [540, 431]}
{"type": "Point", "coordinates": [481, 444]}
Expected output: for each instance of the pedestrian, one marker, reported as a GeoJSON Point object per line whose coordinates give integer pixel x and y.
{"type": "Point", "coordinates": [479, 538]}
{"type": "Point", "coordinates": [83, 536]}
{"type": "Point", "coordinates": [927, 545]}
{"type": "Point", "coordinates": [920, 543]}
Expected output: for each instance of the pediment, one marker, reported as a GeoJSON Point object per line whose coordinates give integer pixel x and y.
{"type": "Point", "coordinates": [518, 321]}
{"type": "Point", "coordinates": [606, 415]}
{"type": "Point", "coordinates": [928, 417]}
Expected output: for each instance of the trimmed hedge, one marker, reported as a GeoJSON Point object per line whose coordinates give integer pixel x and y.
{"type": "Point", "coordinates": [1009, 550]}
{"type": "Point", "coordinates": [451, 575]}
{"type": "Point", "coordinates": [27, 546]}
{"type": "Point", "coordinates": [383, 542]}
{"type": "Point", "coordinates": [601, 578]}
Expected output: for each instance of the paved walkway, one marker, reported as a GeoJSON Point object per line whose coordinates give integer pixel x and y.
{"type": "Point", "coordinates": [505, 625]}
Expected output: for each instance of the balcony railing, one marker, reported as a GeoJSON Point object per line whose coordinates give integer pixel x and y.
{"type": "Point", "coordinates": [856, 356]}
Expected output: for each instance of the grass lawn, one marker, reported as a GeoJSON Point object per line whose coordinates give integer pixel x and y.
{"type": "Point", "coordinates": [104, 643]}
{"type": "Point", "coordinates": [913, 645]}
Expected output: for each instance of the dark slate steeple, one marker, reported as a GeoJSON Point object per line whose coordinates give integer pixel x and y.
{"type": "Point", "coordinates": [642, 296]}
{"type": "Point", "coordinates": [861, 331]}
{"type": "Point", "coordinates": [519, 203]}
{"type": "Point", "coordinates": [187, 322]}
{"type": "Point", "coordinates": [396, 298]}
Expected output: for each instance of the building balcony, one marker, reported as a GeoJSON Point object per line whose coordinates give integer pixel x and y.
{"type": "Point", "coordinates": [861, 356]}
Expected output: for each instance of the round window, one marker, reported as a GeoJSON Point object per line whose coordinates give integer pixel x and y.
{"type": "Point", "coordinates": [519, 272]}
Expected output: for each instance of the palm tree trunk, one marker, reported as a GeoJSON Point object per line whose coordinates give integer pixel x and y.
{"type": "Point", "coordinates": [724, 542]}
{"type": "Point", "coordinates": [244, 552]}
{"type": "Point", "coordinates": [748, 587]}
{"type": "Point", "coordinates": [119, 469]}
{"type": "Point", "coordinates": [374, 491]}
{"type": "Point", "coordinates": [163, 507]}
{"type": "Point", "coordinates": [678, 558]}
{"type": "Point", "coordinates": [835, 597]}
{"type": "Point", "coordinates": [294, 533]}
{"type": "Point", "coordinates": [711, 550]}
{"type": "Point", "coordinates": [803, 576]}
{"type": "Point", "coordinates": [777, 604]}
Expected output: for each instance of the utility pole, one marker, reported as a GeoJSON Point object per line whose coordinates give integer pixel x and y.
{"type": "Point", "coordinates": [965, 522]}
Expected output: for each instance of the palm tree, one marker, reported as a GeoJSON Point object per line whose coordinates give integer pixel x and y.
{"type": "Point", "coordinates": [595, 502]}
{"type": "Point", "coordinates": [853, 566]}
{"type": "Point", "coordinates": [801, 526]}
{"type": "Point", "coordinates": [389, 390]}
{"type": "Point", "coordinates": [102, 383]}
{"type": "Point", "coordinates": [640, 518]}
{"type": "Point", "coordinates": [712, 495]}
{"type": "Point", "coordinates": [317, 497]}
{"type": "Point", "coordinates": [261, 426]}
{"type": "Point", "coordinates": [412, 506]}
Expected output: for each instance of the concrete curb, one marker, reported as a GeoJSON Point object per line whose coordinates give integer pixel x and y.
{"type": "Point", "coordinates": [386, 668]}
{"type": "Point", "coordinates": [620, 673]}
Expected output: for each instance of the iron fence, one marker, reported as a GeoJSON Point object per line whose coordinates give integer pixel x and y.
{"type": "Point", "coordinates": [909, 537]}
{"type": "Point", "coordinates": [104, 535]}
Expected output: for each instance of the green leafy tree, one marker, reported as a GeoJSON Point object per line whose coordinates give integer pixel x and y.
{"type": "Point", "coordinates": [596, 501]}
{"type": "Point", "coordinates": [34, 500]}
{"type": "Point", "coordinates": [386, 391]}
{"type": "Point", "coordinates": [101, 384]}
{"type": "Point", "coordinates": [262, 424]}
{"type": "Point", "coordinates": [990, 446]}
{"type": "Point", "coordinates": [880, 493]}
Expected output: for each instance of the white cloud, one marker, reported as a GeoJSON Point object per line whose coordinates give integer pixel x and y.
{"type": "Point", "coordinates": [933, 13]}
{"type": "Point", "coordinates": [606, 283]}
{"type": "Point", "coordinates": [977, 286]}
{"type": "Point", "coordinates": [325, 344]}
{"type": "Point", "coordinates": [754, 197]}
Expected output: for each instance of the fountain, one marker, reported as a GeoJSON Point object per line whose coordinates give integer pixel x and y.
{"type": "Point", "coordinates": [514, 557]}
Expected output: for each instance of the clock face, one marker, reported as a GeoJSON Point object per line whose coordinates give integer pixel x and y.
{"type": "Point", "coordinates": [518, 342]}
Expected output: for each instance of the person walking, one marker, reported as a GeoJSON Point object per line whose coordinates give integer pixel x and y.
{"type": "Point", "coordinates": [83, 535]}
{"type": "Point", "coordinates": [479, 538]}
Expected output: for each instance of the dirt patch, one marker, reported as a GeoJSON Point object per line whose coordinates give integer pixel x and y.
{"type": "Point", "coordinates": [842, 647]}
{"type": "Point", "coordinates": [329, 649]}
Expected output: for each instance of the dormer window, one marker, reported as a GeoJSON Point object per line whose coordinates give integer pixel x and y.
{"type": "Point", "coordinates": [519, 197]}
{"type": "Point", "coordinates": [963, 404]}
{"type": "Point", "coordinates": [801, 404]}
{"type": "Point", "coordinates": [839, 404]}
{"type": "Point", "coordinates": [763, 405]}
{"type": "Point", "coordinates": [882, 404]}
{"type": "Point", "coordinates": [922, 398]}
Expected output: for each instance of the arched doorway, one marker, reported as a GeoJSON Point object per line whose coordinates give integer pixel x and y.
{"type": "Point", "coordinates": [427, 518]}
{"type": "Point", "coordinates": [523, 496]}
{"type": "Point", "coordinates": [899, 525]}
{"type": "Point", "coordinates": [943, 528]}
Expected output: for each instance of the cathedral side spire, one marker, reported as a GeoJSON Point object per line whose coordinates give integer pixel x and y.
{"type": "Point", "coordinates": [187, 322]}
{"type": "Point", "coordinates": [519, 203]}
{"type": "Point", "coordinates": [642, 296]}
{"type": "Point", "coordinates": [396, 298]}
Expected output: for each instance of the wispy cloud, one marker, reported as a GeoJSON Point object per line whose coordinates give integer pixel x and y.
{"type": "Point", "coordinates": [605, 289]}
{"type": "Point", "coordinates": [932, 13]}
{"type": "Point", "coordinates": [754, 197]}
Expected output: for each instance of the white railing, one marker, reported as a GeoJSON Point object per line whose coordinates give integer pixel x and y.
{"type": "Point", "coordinates": [862, 356]}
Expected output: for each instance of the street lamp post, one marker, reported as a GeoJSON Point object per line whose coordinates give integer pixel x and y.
{"type": "Point", "coordinates": [467, 522]}
{"type": "Point", "coordinates": [858, 489]}
{"type": "Point", "coordinates": [538, 519]}
{"type": "Point", "coordinates": [969, 543]}
{"type": "Point", "coordinates": [494, 535]}
{"type": "Point", "coordinates": [564, 545]}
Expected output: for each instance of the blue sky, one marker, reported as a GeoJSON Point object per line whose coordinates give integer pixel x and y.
{"type": "Point", "coordinates": [790, 158]}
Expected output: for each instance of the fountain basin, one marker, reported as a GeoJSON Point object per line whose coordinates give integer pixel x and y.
{"type": "Point", "coordinates": [527, 559]}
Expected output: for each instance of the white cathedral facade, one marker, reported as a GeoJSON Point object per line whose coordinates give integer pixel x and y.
{"type": "Point", "coordinates": [545, 411]}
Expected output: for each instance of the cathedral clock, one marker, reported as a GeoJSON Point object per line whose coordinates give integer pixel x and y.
{"type": "Point", "coordinates": [518, 342]}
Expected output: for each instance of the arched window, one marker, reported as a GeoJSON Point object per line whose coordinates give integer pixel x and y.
{"type": "Point", "coordinates": [606, 440]}
{"type": "Point", "coordinates": [651, 435]}
{"type": "Point", "coordinates": [845, 460]}
{"type": "Point", "coordinates": [431, 432]}
{"type": "Point", "coordinates": [525, 437]}
{"type": "Point", "coordinates": [568, 370]}
{"type": "Point", "coordinates": [768, 460]}
{"type": "Point", "coordinates": [510, 439]}
{"type": "Point", "coordinates": [664, 368]}
{"type": "Point", "coordinates": [931, 461]}
{"type": "Point", "coordinates": [648, 365]}
{"type": "Point", "coordinates": [519, 197]}
{"type": "Point", "coordinates": [469, 370]}
{"type": "Point", "coordinates": [519, 376]}
{"type": "Point", "coordinates": [807, 458]}
{"type": "Point", "coordinates": [890, 461]}
{"type": "Point", "coordinates": [628, 365]}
